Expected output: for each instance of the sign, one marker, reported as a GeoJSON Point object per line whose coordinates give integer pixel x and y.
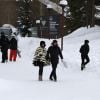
{"type": "Point", "coordinates": [49, 25]}
{"type": "Point", "coordinates": [54, 24]}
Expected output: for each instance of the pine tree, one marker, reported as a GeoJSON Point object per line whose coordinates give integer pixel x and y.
{"type": "Point", "coordinates": [24, 17]}
{"type": "Point", "coordinates": [77, 9]}
{"type": "Point", "coordinates": [83, 13]}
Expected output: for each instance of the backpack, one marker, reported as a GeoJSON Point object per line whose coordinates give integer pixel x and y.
{"type": "Point", "coordinates": [81, 49]}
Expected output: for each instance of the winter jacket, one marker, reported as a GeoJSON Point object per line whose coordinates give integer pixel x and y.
{"type": "Point", "coordinates": [53, 54]}
{"type": "Point", "coordinates": [13, 44]}
{"type": "Point", "coordinates": [40, 55]}
{"type": "Point", "coordinates": [84, 50]}
{"type": "Point", "coordinates": [4, 44]}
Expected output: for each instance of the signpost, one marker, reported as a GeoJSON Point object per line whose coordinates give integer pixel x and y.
{"type": "Point", "coordinates": [53, 26]}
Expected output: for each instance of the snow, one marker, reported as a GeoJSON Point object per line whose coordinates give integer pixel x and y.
{"type": "Point", "coordinates": [19, 80]}
{"type": "Point", "coordinates": [97, 7]}
{"type": "Point", "coordinates": [10, 26]}
{"type": "Point", "coordinates": [97, 16]}
{"type": "Point", "coordinates": [63, 3]}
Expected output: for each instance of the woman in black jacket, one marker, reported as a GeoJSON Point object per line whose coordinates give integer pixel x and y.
{"type": "Point", "coordinates": [53, 54]}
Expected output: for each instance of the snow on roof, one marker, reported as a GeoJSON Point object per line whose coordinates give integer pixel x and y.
{"type": "Point", "coordinates": [10, 26]}
{"type": "Point", "coordinates": [97, 7]}
{"type": "Point", "coordinates": [97, 16]}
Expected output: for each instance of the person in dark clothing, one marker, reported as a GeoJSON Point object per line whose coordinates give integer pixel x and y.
{"type": "Point", "coordinates": [13, 49]}
{"type": "Point", "coordinates": [84, 50]}
{"type": "Point", "coordinates": [53, 54]}
{"type": "Point", "coordinates": [4, 43]}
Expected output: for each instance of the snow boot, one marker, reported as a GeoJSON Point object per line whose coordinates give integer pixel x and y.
{"type": "Point", "coordinates": [40, 78]}
{"type": "Point", "coordinates": [50, 79]}
{"type": "Point", "coordinates": [82, 67]}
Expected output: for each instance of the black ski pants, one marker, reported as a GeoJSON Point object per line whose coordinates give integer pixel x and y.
{"type": "Point", "coordinates": [85, 59]}
{"type": "Point", "coordinates": [4, 56]}
{"type": "Point", "coordinates": [53, 73]}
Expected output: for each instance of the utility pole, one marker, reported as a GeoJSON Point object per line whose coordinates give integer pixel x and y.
{"type": "Point", "coordinates": [63, 4]}
{"type": "Point", "coordinates": [41, 9]}
{"type": "Point", "coordinates": [41, 14]}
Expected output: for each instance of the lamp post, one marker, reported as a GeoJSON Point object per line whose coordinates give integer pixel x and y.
{"type": "Point", "coordinates": [63, 4]}
{"type": "Point", "coordinates": [49, 7]}
{"type": "Point", "coordinates": [38, 25]}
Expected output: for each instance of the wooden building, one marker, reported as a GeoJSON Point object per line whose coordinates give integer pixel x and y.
{"type": "Point", "coordinates": [8, 11]}
{"type": "Point", "coordinates": [8, 14]}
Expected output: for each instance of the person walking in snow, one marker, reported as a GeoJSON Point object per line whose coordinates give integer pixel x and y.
{"type": "Point", "coordinates": [13, 48]}
{"type": "Point", "coordinates": [40, 58]}
{"type": "Point", "coordinates": [4, 44]}
{"type": "Point", "coordinates": [53, 54]}
{"type": "Point", "coordinates": [84, 50]}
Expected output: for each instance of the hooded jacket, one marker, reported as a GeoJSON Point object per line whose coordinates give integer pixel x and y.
{"type": "Point", "coordinates": [53, 54]}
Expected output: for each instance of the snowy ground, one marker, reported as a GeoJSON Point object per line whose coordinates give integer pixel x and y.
{"type": "Point", "coordinates": [19, 80]}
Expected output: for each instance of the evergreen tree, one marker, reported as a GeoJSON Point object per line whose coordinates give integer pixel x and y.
{"type": "Point", "coordinates": [24, 17]}
{"type": "Point", "coordinates": [77, 8]}
{"type": "Point", "coordinates": [83, 13]}
{"type": "Point", "coordinates": [97, 12]}
{"type": "Point", "coordinates": [97, 2]}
